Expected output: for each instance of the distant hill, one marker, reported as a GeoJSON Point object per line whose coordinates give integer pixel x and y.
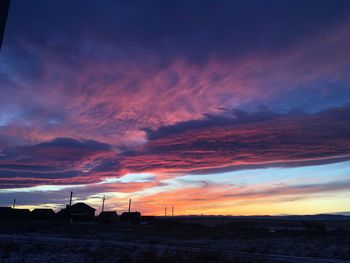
{"type": "Point", "coordinates": [343, 216]}
{"type": "Point", "coordinates": [342, 213]}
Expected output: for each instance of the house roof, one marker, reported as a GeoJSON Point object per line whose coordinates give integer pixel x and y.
{"type": "Point", "coordinates": [82, 206]}
{"type": "Point", "coordinates": [77, 208]}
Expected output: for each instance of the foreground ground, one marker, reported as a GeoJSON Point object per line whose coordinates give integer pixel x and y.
{"type": "Point", "coordinates": [177, 241]}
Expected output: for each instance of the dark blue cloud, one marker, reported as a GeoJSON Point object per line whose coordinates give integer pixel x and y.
{"type": "Point", "coordinates": [261, 139]}
{"type": "Point", "coordinates": [194, 29]}
{"type": "Point", "coordinates": [59, 161]}
{"type": "Point", "coordinates": [78, 144]}
{"type": "Point", "coordinates": [309, 99]}
{"type": "Point", "coordinates": [59, 149]}
{"type": "Point", "coordinates": [228, 118]}
{"type": "Point", "coordinates": [38, 174]}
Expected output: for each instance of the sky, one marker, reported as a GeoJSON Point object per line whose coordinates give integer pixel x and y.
{"type": "Point", "coordinates": [213, 107]}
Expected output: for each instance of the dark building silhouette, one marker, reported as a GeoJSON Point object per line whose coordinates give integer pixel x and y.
{"type": "Point", "coordinates": [8, 213]}
{"type": "Point", "coordinates": [78, 212]}
{"type": "Point", "coordinates": [108, 217]}
{"type": "Point", "coordinates": [131, 217]}
{"type": "Point", "coordinates": [20, 214]}
{"type": "Point", "coordinates": [5, 213]}
{"type": "Point", "coordinates": [42, 214]}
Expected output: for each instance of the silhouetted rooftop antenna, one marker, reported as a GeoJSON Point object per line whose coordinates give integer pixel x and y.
{"type": "Point", "coordinates": [129, 205]}
{"type": "Point", "coordinates": [4, 8]}
{"type": "Point", "coordinates": [103, 203]}
{"type": "Point", "coordinates": [172, 211]}
{"type": "Point", "coordinates": [70, 199]}
{"type": "Point", "coordinates": [14, 203]}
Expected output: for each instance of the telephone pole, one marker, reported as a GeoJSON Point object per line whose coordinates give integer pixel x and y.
{"type": "Point", "coordinates": [70, 199]}
{"type": "Point", "coordinates": [103, 203]}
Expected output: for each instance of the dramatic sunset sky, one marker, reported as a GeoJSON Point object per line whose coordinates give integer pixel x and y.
{"type": "Point", "coordinates": [214, 107]}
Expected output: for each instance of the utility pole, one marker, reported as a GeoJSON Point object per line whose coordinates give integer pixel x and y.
{"type": "Point", "coordinates": [103, 203]}
{"type": "Point", "coordinates": [70, 199]}
{"type": "Point", "coordinates": [129, 204]}
{"type": "Point", "coordinates": [14, 203]}
{"type": "Point", "coordinates": [164, 211]}
{"type": "Point", "coordinates": [172, 211]}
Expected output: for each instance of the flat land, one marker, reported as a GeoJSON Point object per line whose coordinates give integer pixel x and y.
{"type": "Point", "coordinates": [181, 239]}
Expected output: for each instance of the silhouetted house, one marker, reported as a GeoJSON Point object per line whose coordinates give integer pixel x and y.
{"type": "Point", "coordinates": [42, 214]}
{"type": "Point", "coordinates": [8, 213]}
{"type": "Point", "coordinates": [131, 217]}
{"type": "Point", "coordinates": [5, 213]}
{"type": "Point", "coordinates": [108, 217]}
{"type": "Point", "coordinates": [20, 214]}
{"type": "Point", "coordinates": [78, 212]}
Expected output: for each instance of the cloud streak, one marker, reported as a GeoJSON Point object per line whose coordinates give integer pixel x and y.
{"type": "Point", "coordinates": [249, 139]}
{"type": "Point", "coordinates": [229, 141]}
{"type": "Point", "coordinates": [60, 161]}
